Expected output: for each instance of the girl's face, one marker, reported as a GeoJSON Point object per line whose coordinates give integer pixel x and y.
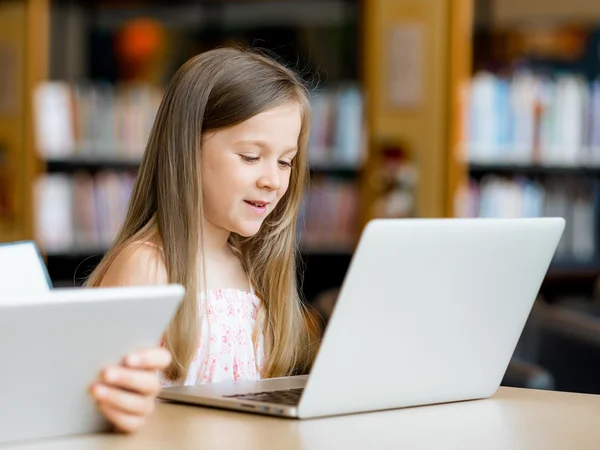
{"type": "Point", "coordinates": [246, 168]}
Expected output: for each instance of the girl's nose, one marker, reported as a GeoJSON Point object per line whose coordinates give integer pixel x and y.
{"type": "Point", "coordinates": [270, 178]}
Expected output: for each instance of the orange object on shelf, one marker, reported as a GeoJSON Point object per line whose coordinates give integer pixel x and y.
{"type": "Point", "coordinates": [140, 46]}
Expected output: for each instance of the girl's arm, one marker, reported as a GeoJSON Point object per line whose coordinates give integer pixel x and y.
{"type": "Point", "coordinates": [126, 393]}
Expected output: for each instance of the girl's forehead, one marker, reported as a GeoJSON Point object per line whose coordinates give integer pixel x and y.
{"type": "Point", "coordinates": [280, 124]}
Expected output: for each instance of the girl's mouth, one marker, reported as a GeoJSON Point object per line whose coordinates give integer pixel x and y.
{"type": "Point", "coordinates": [257, 206]}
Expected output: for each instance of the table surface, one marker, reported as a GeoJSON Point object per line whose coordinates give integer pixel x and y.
{"type": "Point", "coordinates": [511, 419]}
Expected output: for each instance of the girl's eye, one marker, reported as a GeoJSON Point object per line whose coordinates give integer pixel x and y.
{"type": "Point", "coordinates": [285, 163]}
{"type": "Point", "coordinates": [249, 158]}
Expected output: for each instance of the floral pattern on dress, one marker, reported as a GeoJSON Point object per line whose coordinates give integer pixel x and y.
{"type": "Point", "coordinates": [225, 350]}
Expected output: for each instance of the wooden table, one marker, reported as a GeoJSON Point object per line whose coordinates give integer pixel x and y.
{"type": "Point", "coordinates": [512, 419]}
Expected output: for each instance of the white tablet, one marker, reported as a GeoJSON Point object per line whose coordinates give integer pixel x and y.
{"type": "Point", "coordinates": [53, 345]}
{"type": "Point", "coordinates": [22, 269]}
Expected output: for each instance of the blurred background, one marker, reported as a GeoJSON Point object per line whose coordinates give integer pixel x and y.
{"type": "Point", "coordinates": [422, 108]}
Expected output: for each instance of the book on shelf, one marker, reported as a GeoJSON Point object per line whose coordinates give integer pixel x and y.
{"type": "Point", "coordinates": [338, 134]}
{"type": "Point", "coordinates": [532, 119]}
{"type": "Point", "coordinates": [578, 201]}
{"type": "Point", "coordinates": [81, 213]}
{"type": "Point", "coordinates": [328, 218]}
{"type": "Point", "coordinates": [94, 121]}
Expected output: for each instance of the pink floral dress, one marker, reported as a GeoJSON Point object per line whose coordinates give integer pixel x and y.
{"type": "Point", "coordinates": [225, 350]}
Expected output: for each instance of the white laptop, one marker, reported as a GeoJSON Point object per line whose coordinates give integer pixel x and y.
{"type": "Point", "coordinates": [430, 311]}
{"type": "Point", "coordinates": [53, 346]}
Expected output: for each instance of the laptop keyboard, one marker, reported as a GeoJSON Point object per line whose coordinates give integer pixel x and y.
{"type": "Point", "coordinates": [289, 397]}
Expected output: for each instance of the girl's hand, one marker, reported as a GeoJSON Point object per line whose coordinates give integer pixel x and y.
{"type": "Point", "coordinates": [126, 393]}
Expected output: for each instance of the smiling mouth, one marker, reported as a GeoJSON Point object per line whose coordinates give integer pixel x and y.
{"type": "Point", "coordinates": [257, 204]}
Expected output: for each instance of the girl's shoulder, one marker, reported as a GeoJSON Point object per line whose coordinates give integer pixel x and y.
{"type": "Point", "coordinates": [138, 263]}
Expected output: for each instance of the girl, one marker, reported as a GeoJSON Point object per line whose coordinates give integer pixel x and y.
{"type": "Point", "coordinates": [214, 208]}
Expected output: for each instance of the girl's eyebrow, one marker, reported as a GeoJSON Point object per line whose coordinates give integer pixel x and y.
{"type": "Point", "coordinates": [262, 145]}
{"type": "Point", "coordinates": [252, 142]}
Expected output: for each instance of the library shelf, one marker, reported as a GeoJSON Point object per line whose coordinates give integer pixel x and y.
{"type": "Point", "coordinates": [72, 164]}
{"type": "Point", "coordinates": [479, 170]}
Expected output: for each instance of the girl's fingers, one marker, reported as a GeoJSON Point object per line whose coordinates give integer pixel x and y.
{"type": "Point", "coordinates": [121, 420]}
{"type": "Point", "coordinates": [138, 381]}
{"type": "Point", "coordinates": [126, 402]}
{"type": "Point", "coordinates": [157, 358]}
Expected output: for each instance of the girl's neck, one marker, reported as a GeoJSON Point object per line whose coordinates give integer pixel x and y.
{"type": "Point", "coordinates": [215, 240]}
{"type": "Point", "coordinates": [223, 267]}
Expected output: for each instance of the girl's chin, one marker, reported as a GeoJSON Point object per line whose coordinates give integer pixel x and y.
{"type": "Point", "coordinates": [247, 230]}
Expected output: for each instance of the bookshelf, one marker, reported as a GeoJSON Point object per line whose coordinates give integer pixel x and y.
{"type": "Point", "coordinates": [91, 138]}
{"type": "Point", "coordinates": [90, 125]}
{"type": "Point", "coordinates": [412, 91]}
{"type": "Point", "coordinates": [23, 63]}
{"type": "Point", "coordinates": [409, 100]}
{"type": "Point", "coordinates": [527, 124]}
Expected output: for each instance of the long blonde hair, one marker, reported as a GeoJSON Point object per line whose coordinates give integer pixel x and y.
{"type": "Point", "coordinates": [217, 89]}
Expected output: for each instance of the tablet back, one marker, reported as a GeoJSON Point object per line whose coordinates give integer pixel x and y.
{"type": "Point", "coordinates": [53, 346]}
{"type": "Point", "coordinates": [22, 269]}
